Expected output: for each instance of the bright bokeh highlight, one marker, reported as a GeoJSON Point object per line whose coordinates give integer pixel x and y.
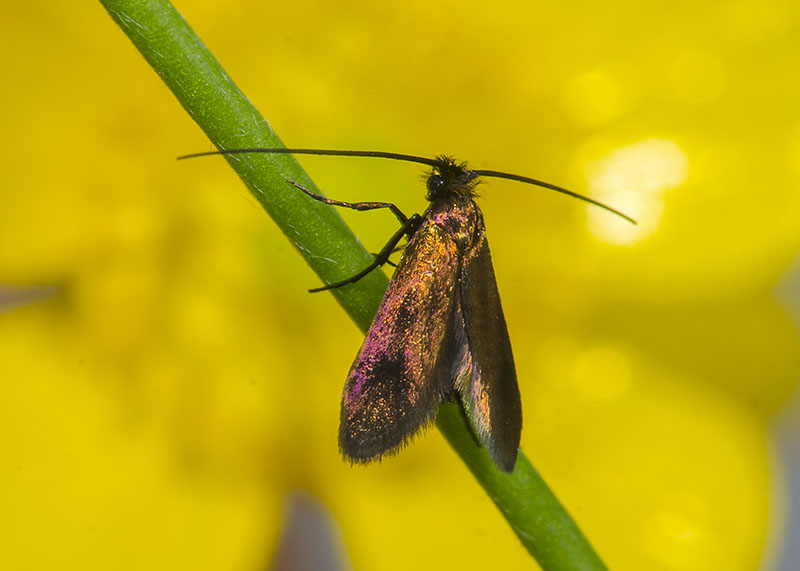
{"type": "Point", "coordinates": [635, 178]}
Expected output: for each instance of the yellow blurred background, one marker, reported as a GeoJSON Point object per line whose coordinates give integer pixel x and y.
{"type": "Point", "coordinates": [168, 386]}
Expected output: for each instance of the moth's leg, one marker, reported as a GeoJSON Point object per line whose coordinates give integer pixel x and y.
{"type": "Point", "coordinates": [382, 257]}
{"type": "Point", "coordinates": [395, 250]}
{"type": "Point", "coordinates": [410, 225]}
{"type": "Point", "coordinates": [354, 205]}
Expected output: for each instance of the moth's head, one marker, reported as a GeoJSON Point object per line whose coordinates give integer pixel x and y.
{"type": "Point", "coordinates": [448, 178]}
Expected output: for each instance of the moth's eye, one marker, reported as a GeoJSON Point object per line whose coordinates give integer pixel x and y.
{"type": "Point", "coordinates": [435, 184]}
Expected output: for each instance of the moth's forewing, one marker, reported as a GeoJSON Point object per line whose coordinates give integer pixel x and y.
{"type": "Point", "coordinates": [393, 389]}
{"type": "Point", "coordinates": [485, 376]}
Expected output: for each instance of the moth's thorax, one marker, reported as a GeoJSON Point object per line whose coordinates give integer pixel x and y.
{"type": "Point", "coordinates": [458, 217]}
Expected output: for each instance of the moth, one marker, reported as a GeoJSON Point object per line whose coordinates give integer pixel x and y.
{"type": "Point", "coordinates": [439, 333]}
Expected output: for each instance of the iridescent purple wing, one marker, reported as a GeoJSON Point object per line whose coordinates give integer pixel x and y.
{"type": "Point", "coordinates": [483, 367]}
{"type": "Point", "coordinates": [394, 386]}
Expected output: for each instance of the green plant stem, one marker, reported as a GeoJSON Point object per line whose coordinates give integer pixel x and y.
{"type": "Point", "coordinates": [229, 120]}
{"type": "Point", "coordinates": [542, 524]}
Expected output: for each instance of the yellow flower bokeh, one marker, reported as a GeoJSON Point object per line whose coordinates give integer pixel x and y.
{"type": "Point", "coordinates": [167, 380]}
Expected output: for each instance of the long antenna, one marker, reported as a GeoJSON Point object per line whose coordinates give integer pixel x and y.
{"type": "Point", "coordinates": [412, 159]}
{"type": "Point", "coordinates": [535, 182]}
{"type": "Point", "coordinates": [326, 152]}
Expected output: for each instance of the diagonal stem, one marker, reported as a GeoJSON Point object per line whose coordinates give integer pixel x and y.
{"type": "Point", "coordinates": [217, 105]}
